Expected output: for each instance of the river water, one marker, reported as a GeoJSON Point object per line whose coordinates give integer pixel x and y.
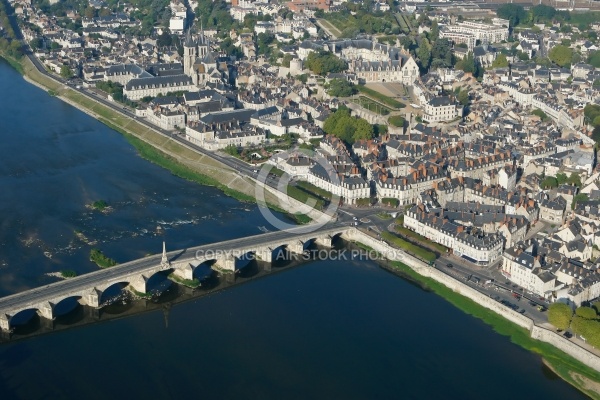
{"type": "Point", "coordinates": [326, 329]}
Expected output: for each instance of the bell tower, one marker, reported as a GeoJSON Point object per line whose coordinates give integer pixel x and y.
{"type": "Point", "coordinates": [190, 51]}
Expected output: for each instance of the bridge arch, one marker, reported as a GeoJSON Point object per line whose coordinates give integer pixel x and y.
{"type": "Point", "coordinates": [112, 292]}
{"type": "Point", "coordinates": [23, 318]}
{"type": "Point", "coordinates": [158, 282]}
{"type": "Point", "coordinates": [203, 271]}
{"type": "Point", "coordinates": [66, 305]}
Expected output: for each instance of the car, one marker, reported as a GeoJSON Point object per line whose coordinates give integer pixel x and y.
{"type": "Point", "coordinates": [522, 311]}
{"type": "Point", "coordinates": [568, 334]}
{"type": "Point", "coordinates": [532, 304]}
{"type": "Point", "coordinates": [354, 218]}
{"type": "Point", "coordinates": [449, 265]}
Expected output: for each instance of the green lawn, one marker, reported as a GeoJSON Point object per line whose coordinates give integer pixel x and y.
{"type": "Point", "coordinates": [385, 100]}
{"type": "Point", "coordinates": [309, 187]}
{"type": "Point", "coordinates": [407, 233]}
{"type": "Point", "coordinates": [373, 106]}
{"type": "Point", "coordinates": [417, 251]}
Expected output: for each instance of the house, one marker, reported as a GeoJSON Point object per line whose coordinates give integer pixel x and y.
{"type": "Point", "coordinates": [553, 211]}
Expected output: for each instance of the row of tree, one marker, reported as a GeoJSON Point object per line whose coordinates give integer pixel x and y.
{"type": "Point", "coordinates": [591, 114]}
{"type": "Point", "coordinates": [517, 15]}
{"type": "Point", "coordinates": [585, 322]}
{"type": "Point", "coordinates": [9, 44]}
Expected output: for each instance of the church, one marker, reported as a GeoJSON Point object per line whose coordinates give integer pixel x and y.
{"type": "Point", "coordinates": [201, 64]}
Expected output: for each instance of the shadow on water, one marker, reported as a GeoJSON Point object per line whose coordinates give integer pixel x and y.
{"type": "Point", "coordinates": [118, 302]}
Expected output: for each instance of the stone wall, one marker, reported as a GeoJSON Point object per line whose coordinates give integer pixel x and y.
{"type": "Point", "coordinates": [536, 332]}
{"type": "Point", "coordinates": [564, 344]}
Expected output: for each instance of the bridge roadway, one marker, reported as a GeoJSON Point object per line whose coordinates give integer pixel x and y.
{"type": "Point", "coordinates": [10, 305]}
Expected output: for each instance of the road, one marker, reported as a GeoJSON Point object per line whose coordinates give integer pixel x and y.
{"type": "Point", "coordinates": [103, 276]}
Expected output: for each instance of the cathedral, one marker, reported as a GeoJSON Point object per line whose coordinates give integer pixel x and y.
{"type": "Point", "coordinates": [200, 63]}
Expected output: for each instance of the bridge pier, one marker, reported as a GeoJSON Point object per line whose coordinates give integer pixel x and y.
{"type": "Point", "coordinates": [326, 241]}
{"type": "Point", "coordinates": [92, 298]}
{"type": "Point", "coordinates": [47, 324]}
{"type": "Point", "coordinates": [46, 310]}
{"type": "Point", "coordinates": [139, 284]}
{"type": "Point", "coordinates": [94, 313]}
{"type": "Point", "coordinates": [185, 272]}
{"type": "Point", "coordinates": [227, 263]}
{"type": "Point", "coordinates": [296, 247]}
{"type": "Point", "coordinates": [265, 254]}
{"type": "Point", "coordinates": [4, 322]}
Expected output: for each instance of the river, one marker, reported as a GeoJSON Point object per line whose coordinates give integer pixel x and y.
{"type": "Point", "coordinates": [326, 329]}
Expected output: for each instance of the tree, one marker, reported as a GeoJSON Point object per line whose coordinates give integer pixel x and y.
{"type": "Point", "coordinates": [363, 130]}
{"type": "Point", "coordinates": [549, 182]}
{"type": "Point", "coordinates": [463, 97]}
{"type": "Point", "coordinates": [230, 49]}
{"type": "Point", "coordinates": [543, 116]}
{"type": "Point", "coordinates": [500, 62]}
{"type": "Point", "coordinates": [561, 55]}
{"type": "Point", "coordinates": [434, 32]}
{"type": "Point", "coordinates": [467, 64]}
{"type": "Point", "coordinates": [561, 178]}
{"type": "Point", "coordinates": [89, 12]}
{"type": "Point", "coordinates": [578, 198]}
{"type": "Point", "coordinates": [424, 54]}
{"type": "Point", "coordinates": [324, 62]}
{"type": "Point", "coordinates": [574, 179]}
{"type": "Point", "coordinates": [36, 44]}
{"type": "Point", "coordinates": [559, 315]}
{"type": "Point", "coordinates": [586, 313]}
{"type": "Point", "coordinates": [340, 88]}
{"type": "Point", "coordinates": [514, 13]}
{"type": "Point", "coordinates": [286, 60]}
{"type": "Point", "coordinates": [589, 329]}
{"type": "Point", "coordinates": [165, 39]}
{"type": "Point", "coordinates": [349, 129]}
{"type": "Point", "coordinates": [66, 72]}
{"type": "Point", "coordinates": [542, 13]}
{"type": "Point", "coordinates": [441, 53]}
{"type": "Point", "coordinates": [594, 59]}
{"type": "Point", "coordinates": [231, 150]}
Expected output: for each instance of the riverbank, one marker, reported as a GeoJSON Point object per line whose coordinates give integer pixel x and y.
{"type": "Point", "coordinates": [155, 147]}
{"type": "Point", "coordinates": [504, 321]}
{"type": "Point", "coordinates": [561, 363]}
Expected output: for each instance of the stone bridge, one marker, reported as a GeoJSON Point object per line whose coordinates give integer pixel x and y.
{"type": "Point", "coordinates": [88, 288]}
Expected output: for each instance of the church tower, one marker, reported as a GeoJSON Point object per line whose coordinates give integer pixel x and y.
{"type": "Point", "coordinates": [190, 53]}
{"type": "Point", "coordinates": [203, 44]}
